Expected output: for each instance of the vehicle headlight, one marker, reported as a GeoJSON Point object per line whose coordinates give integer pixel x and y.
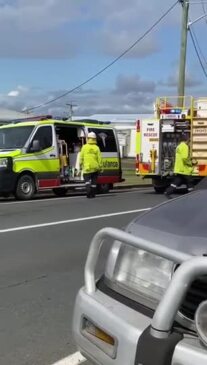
{"type": "Point", "coordinates": [139, 273]}
{"type": "Point", "coordinates": [201, 321]}
{"type": "Point", "coordinates": [3, 162]}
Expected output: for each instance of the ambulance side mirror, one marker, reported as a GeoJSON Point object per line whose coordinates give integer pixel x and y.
{"type": "Point", "coordinates": [35, 147]}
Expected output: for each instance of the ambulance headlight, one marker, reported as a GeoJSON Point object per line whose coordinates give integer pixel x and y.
{"type": "Point", "coordinates": [201, 322]}
{"type": "Point", "coordinates": [4, 162]}
{"type": "Point", "coordinates": [138, 274]}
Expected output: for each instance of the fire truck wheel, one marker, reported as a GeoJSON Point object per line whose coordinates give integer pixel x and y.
{"type": "Point", "coordinates": [60, 191]}
{"type": "Point", "coordinates": [159, 189]}
{"type": "Point", "coordinates": [25, 188]}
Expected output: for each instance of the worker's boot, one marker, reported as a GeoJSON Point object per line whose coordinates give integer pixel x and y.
{"type": "Point", "coordinates": [93, 191]}
{"type": "Point", "coordinates": [168, 196]}
{"type": "Point", "coordinates": [169, 191]}
{"type": "Point", "coordinates": [88, 191]}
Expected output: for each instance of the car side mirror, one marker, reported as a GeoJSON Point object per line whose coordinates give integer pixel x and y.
{"type": "Point", "coordinates": [35, 147]}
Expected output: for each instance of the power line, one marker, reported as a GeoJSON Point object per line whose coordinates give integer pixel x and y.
{"type": "Point", "coordinates": [204, 8]}
{"type": "Point", "coordinates": [197, 2]}
{"type": "Point", "coordinates": [197, 52]}
{"type": "Point", "coordinates": [110, 64]}
{"type": "Point", "coordinates": [198, 46]}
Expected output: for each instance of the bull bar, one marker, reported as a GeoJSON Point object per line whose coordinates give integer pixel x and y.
{"type": "Point", "coordinates": [168, 307]}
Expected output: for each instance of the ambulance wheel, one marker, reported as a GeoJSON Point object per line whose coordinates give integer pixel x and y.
{"type": "Point", "coordinates": [60, 191]}
{"type": "Point", "coordinates": [25, 188]}
{"type": "Point", "coordinates": [5, 195]}
{"type": "Point", "coordinates": [103, 188]}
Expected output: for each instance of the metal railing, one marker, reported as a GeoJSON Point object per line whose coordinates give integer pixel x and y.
{"type": "Point", "coordinates": [187, 105]}
{"type": "Point", "coordinates": [183, 104]}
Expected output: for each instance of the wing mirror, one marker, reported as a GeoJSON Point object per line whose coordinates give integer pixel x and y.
{"type": "Point", "coordinates": [35, 147]}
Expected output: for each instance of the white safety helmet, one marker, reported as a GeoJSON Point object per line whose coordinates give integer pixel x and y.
{"type": "Point", "coordinates": [92, 135]}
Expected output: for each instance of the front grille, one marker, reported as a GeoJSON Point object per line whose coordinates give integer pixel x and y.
{"type": "Point", "coordinates": [195, 295]}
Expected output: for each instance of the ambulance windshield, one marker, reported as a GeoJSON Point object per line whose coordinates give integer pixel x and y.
{"type": "Point", "coordinates": [13, 138]}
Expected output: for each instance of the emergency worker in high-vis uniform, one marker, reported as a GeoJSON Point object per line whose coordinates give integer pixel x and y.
{"type": "Point", "coordinates": [183, 167]}
{"type": "Point", "coordinates": [91, 164]}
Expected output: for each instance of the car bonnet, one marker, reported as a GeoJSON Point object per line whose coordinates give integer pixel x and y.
{"type": "Point", "coordinates": [180, 224]}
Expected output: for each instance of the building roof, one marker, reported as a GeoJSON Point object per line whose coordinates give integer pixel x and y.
{"type": "Point", "coordinates": [120, 117]}
{"type": "Point", "coordinates": [117, 118]}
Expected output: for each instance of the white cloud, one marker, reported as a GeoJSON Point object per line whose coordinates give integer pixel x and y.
{"type": "Point", "coordinates": [114, 44]}
{"type": "Point", "coordinates": [133, 84]}
{"type": "Point", "coordinates": [129, 94]}
{"type": "Point", "coordinates": [123, 23]}
{"type": "Point", "coordinates": [35, 28]}
{"type": "Point", "coordinates": [60, 28]}
{"type": "Point", "coordinates": [39, 15]}
{"type": "Point", "coordinates": [13, 93]}
{"type": "Point", "coordinates": [191, 80]}
{"type": "Point", "coordinates": [20, 90]}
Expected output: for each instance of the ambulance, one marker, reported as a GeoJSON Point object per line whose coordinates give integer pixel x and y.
{"type": "Point", "coordinates": [157, 139]}
{"type": "Point", "coordinates": [37, 154]}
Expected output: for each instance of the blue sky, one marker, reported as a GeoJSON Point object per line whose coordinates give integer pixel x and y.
{"type": "Point", "coordinates": [50, 46]}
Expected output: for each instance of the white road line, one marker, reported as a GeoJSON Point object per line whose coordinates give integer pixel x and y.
{"type": "Point", "coordinates": [34, 226]}
{"type": "Point", "coordinates": [53, 198]}
{"type": "Point", "coordinates": [74, 359]}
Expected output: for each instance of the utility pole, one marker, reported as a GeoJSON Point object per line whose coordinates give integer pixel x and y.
{"type": "Point", "coordinates": [71, 105]}
{"type": "Point", "coordinates": [183, 50]}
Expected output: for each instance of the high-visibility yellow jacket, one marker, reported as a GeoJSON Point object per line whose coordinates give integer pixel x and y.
{"type": "Point", "coordinates": [90, 157]}
{"type": "Point", "coordinates": [183, 164]}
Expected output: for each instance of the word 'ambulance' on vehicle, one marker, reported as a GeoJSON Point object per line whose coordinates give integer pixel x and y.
{"type": "Point", "coordinates": [157, 139]}
{"type": "Point", "coordinates": [37, 155]}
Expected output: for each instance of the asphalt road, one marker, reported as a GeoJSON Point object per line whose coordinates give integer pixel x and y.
{"type": "Point", "coordinates": [41, 268]}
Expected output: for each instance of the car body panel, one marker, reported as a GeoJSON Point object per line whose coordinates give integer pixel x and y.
{"type": "Point", "coordinates": [126, 325]}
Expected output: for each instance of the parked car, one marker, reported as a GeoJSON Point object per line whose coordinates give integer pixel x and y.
{"type": "Point", "coordinates": [149, 307]}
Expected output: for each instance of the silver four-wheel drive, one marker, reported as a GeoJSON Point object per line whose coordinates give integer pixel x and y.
{"type": "Point", "coordinates": [150, 306]}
